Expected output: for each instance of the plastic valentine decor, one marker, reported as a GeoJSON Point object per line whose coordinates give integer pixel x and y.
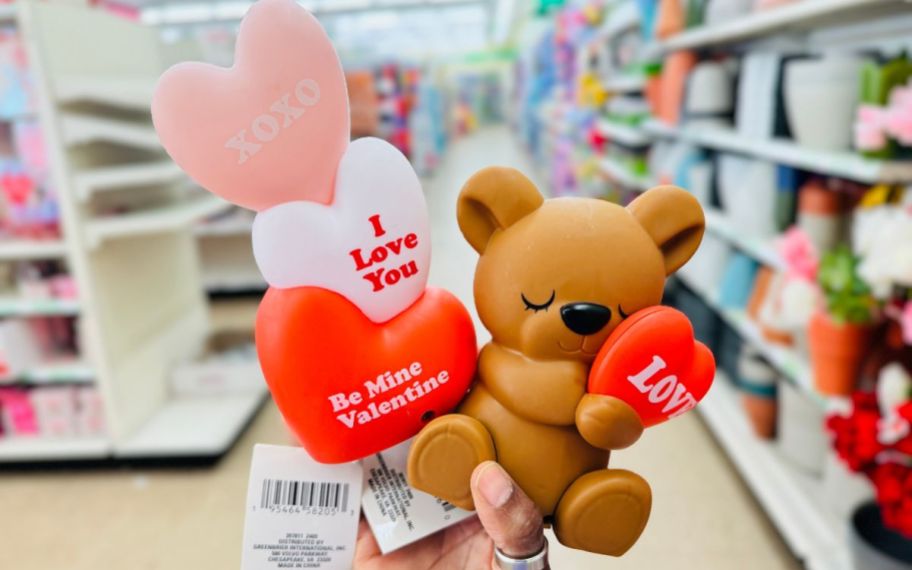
{"type": "Point", "coordinates": [358, 354]}
{"type": "Point", "coordinates": [372, 244]}
{"type": "Point", "coordinates": [268, 130]}
{"type": "Point", "coordinates": [581, 357]}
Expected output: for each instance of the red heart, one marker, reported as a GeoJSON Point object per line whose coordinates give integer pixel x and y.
{"type": "Point", "coordinates": [652, 362]}
{"type": "Point", "coordinates": [326, 365]}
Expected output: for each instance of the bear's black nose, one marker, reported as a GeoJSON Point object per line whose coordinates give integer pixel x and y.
{"type": "Point", "coordinates": [585, 318]}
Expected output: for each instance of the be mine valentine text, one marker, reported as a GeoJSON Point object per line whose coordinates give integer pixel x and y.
{"type": "Point", "coordinates": [385, 382]}
{"type": "Point", "coordinates": [382, 276]}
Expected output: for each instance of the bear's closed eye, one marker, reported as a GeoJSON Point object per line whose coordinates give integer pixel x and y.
{"type": "Point", "coordinates": [622, 313]}
{"type": "Point", "coordinates": [530, 306]}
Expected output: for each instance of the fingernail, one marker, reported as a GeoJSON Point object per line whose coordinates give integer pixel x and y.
{"type": "Point", "coordinates": [495, 485]}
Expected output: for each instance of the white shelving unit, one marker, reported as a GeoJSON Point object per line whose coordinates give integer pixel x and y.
{"type": "Point", "coordinates": [842, 164]}
{"type": "Point", "coordinates": [623, 176]}
{"type": "Point", "coordinates": [33, 449]}
{"type": "Point", "coordinates": [83, 129]}
{"type": "Point", "coordinates": [141, 302]}
{"type": "Point", "coordinates": [171, 217]}
{"type": "Point", "coordinates": [792, 499]}
{"type": "Point", "coordinates": [626, 135]}
{"type": "Point", "coordinates": [21, 249]}
{"type": "Point", "coordinates": [792, 17]}
{"type": "Point", "coordinates": [227, 254]}
{"type": "Point", "coordinates": [762, 250]}
{"type": "Point", "coordinates": [14, 306]}
{"type": "Point", "coordinates": [789, 364]}
{"type": "Point", "coordinates": [118, 177]}
{"type": "Point", "coordinates": [625, 84]}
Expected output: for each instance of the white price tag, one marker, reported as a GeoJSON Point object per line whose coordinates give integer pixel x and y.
{"type": "Point", "coordinates": [300, 513]}
{"type": "Point", "coordinates": [398, 514]}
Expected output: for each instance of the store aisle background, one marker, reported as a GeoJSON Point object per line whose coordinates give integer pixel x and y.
{"type": "Point", "coordinates": [703, 516]}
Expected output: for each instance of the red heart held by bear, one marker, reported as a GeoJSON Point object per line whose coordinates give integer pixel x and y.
{"type": "Point", "coordinates": [349, 387]}
{"type": "Point", "coordinates": [652, 362]}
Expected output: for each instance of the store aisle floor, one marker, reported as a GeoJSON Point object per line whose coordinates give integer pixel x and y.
{"type": "Point", "coordinates": [703, 517]}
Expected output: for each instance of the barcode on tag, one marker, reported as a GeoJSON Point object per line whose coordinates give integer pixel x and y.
{"type": "Point", "coordinates": [304, 494]}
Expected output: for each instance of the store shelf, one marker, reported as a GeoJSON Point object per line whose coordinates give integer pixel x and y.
{"type": "Point", "coordinates": [16, 249]}
{"type": "Point", "coordinates": [155, 220]}
{"type": "Point", "coordinates": [792, 499]}
{"type": "Point", "coordinates": [622, 175]}
{"type": "Point", "coordinates": [35, 449]}
{"type": "Point", "coordinates": [797, 16]}
{"type": "Point", "coordinates": [8, 12]}
{"type": "Point", "coordinates": [195, 427]}
{"type": "Point", "coordinates": [762, 250]}
{"type": "Point", "coordinates": [216, 280]}
{"type": "Point", "coordinates": [14, 306]}
{"type": "Point", "coordinates": [228, 227]}
{"type": "Point", "coordinates": [625, 84]}
{"type": "Point", "coordinates": [843, 164]}
{"type": "Point", "coordinates": [623, 134]}
{"type": "Point", "coordinates": [108, 178]}
{"type": "Point", "coordinates": [70, 371]}
{"type": "Point", "coordinates": [128, 93]}
{"type": "Point", "coordinates": [795, 368]}
{"type": "Point", "coordinates": [83, 129]}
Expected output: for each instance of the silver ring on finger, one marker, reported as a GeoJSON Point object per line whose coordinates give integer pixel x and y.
{"type": "Point", "coordinates": [537, 561]}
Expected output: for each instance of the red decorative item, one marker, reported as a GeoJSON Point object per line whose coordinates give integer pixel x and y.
{"type": "Point", "coordinates": [888, 467]}
{"type": "Point", "coordinates": [653, 363]}
{"type": "Point", "coordinates": [349, 387]}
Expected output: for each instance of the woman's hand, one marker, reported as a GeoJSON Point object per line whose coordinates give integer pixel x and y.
{"type": "Point", "coordinates": [507, 518]}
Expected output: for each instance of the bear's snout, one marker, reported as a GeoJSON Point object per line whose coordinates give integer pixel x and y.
{"type": "Point", "coordinates": [585, 318]}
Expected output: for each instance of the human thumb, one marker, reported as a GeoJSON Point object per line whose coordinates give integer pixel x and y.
{"type": "Point", "coordinates": [509, 517]}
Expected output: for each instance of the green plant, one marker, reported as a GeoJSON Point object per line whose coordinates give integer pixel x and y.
{"type": "Point", "coordinates": [848, 297]}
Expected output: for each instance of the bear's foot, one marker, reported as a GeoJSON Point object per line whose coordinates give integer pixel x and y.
{"type": "Point", "coordinates": [603, 512]}
{"type": "Point", "coordinates": [445, 453]}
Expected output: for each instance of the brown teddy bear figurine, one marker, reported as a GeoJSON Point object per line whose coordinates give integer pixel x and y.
{"type": "Point", "coordinates": [554, 279]}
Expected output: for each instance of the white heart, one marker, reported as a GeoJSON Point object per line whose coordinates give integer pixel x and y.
{"type": "Point", "coordinates": [372, 244]}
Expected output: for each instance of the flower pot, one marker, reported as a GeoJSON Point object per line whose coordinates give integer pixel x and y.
{"type": "Point", "coordinates": [747, 191]}
{"type": "Point", "coordinates": [820, 215]}
{"type": "Point", "coordinates": [706, 267]}
{"type": "Point", "coordinates": [821, 96]}
{"type": "Point", "coordinates": [757, 381]}
{"type": "Point", "coordinates": [739, 275]}
{"type": "Point", "coordinates": [710, 91]}
{"type": "Point", "coordinates": [800, 429]}
{"type": "Point", "coordinates": [758, 86]}
{"type": "Point", "coordinates": [837, 352]}
{"type": "Point", "coordinates": [875, 547]}
{"type": "Point", "coordinates": [671, 18]}
{"type": "Point", "coordinates": [675, 72]}
{"type": "Point", "coordinates": [844, 490]}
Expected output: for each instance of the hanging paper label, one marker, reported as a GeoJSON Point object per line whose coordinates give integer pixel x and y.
{"type": "Point", "coordinates": [300, 513]}
{"type": "Point", "coordinates": [398, 514]}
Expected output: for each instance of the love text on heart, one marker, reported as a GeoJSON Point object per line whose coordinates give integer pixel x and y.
{"type": "Point", "coordinates": [281, 115]}
{"type": "Point", "coordinates": [390, 252]}
{"type": "Point", "coordinates": [384, 394]}
{"type": "Point", "coordinates": [675, 395]}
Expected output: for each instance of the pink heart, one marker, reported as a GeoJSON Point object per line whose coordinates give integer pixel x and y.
{"type": "Point", "coordinates": [372, 244]}
{"type": "Point", "coordinates": [270, 129]}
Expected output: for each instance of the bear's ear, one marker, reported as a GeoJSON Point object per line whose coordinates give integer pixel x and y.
{"type": "Point", "coordinates": [494, 198]}
{"type": "Point", "coordinates": [674, 220]}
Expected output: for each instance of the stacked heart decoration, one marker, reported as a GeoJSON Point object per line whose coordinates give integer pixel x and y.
{"type": "Point", "coordinates": [359, 354]}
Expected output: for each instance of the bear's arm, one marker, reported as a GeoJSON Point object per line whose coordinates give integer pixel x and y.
{"type": "Point", "coordinates": [542, 391]}
{"type": "Point", "coordinates": [607, 422]}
